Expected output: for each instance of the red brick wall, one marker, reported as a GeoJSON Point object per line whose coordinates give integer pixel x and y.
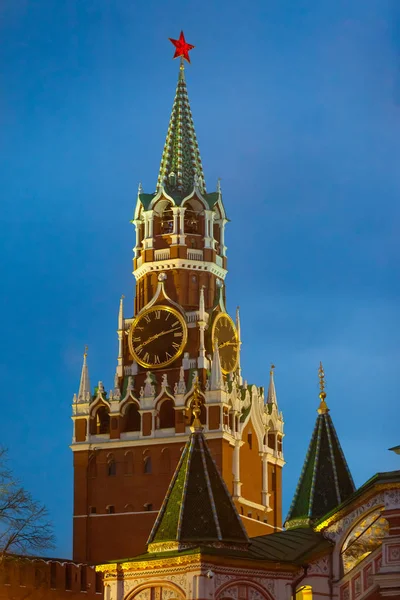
{"type": "Point", "coordinates": [35, 579]}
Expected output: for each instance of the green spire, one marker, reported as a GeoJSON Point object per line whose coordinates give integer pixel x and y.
{"type": "Point", "coordinates": [325, 480]}
{"type": "Point", "coordinates": [181, 163]}
{"type": "Point", "coordinates": [198, 509]}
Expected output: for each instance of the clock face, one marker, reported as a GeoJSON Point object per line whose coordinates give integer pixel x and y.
{"type": "Point", "coordinates": [224, 334]}
{"type": "Point", "coordinates": [157, 336]}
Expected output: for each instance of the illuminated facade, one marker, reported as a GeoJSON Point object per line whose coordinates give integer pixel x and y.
{"type": "Point", "coordinates": [177, 334]}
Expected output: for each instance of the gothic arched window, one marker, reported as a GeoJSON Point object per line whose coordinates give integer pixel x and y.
{"type": "Point", "coordinates": [147, 466]}
{"type": "Point", "coordinates": [102, 420]}
{"type": "Point", "coordinates": [128, 463]}
{"type": "Point", "coordinates": [167, 414]}
{"type": "Point", "coordinates": [111, 465]}
{"type": "Point", "coordinates": [132, 418]}
{"type": "Point", "coordinates": [165, 463]}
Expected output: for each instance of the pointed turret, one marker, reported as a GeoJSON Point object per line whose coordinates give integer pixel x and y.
{"type": "Point", "coordinates": [271, 395]}
{"type": "Point", "coordinates": [181, 167]}
{"type": "Point", "coordinates": [325, 480]}
{"type": "Point", "coordinates": [84, 386]}
{"type": "Point", "coordinates": [216, 377]}
{"type": "Point", "coordinates": [198, 509]}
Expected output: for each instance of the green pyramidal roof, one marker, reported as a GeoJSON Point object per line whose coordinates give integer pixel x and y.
{"type": "Point", "coordinates": [197, 509]}
{"type": "Point", "coordinates": [181, 162]}
{"type": "Point", "coordinates": [325, 480]}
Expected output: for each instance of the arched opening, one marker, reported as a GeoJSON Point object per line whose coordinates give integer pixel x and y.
{"type": "Point", "coordinates": [167, 414]}
{"type": "Point", "coordinates": [147, 466]}
{"type": "Point", "coordinates": [92, 467]}
{"type": "Point", "coordinates": [132, 418]}
{"type": "Point", "coordinates": [191, 219]}
{"type": "Point", "coordinates": [128, 463]}
{"type": "Point", "coordinates": [111, 466]}
{"type": "Point", "coordinates": [165, 463]}
{"type": "Point", "coordinates": [167, 219]}
{"type": "Point", "coordinates": [363, 538]}
{"type": "Point", "coordinates": [100, 423]}
{"type": "Point", "coordinates": [271, 441]}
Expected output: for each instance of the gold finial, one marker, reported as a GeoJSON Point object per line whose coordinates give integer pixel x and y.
{"type": "Point", "coordinates": [196, 408]}
{"type": "Point", "coordinates": [86, 351]}
{"type": "Point", "coordinates": [272, 370]}
{"type": "Point", "coordinates": [323, 407]}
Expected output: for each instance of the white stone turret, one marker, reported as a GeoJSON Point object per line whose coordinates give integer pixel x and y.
{"type": "Point", "coordinates": [239, 369]}
{"type": "Point", "coordinates": [271, 395]}
{"type": "Point", "coordinates": [216, 377]}
{"type": "Point", "coordinates": [120, 332]}
{"type": "Point", "coordinates": [84, 386]}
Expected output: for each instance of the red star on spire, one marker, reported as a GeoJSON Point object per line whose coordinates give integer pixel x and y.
{"type": "Point", "coordinates": [182, 47]}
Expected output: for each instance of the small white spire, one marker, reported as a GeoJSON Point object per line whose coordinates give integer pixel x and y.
{"type": "Point", "coordinates": [271, 396]}
{"type": "Point", "coordinates": [219, 185]}
{"type": "Point", "coordinates": [216, 377]}
{"type": "Point", "coordinates": [84, 386]}
{"type": "Point", "coordinates": [239, 368]}
{"type": "Point", "coordinates": [121, 313]}
{"type": "Point", "coordinates": [202, 308]}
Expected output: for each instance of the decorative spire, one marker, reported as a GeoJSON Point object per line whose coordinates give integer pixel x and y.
{"type": "Point", "coordinates": [271, 396]}
{"type": "Point", "coordinates": [196, 408]}
{"type": "Point", "coordinates": [121, 313]}
{"type": "Point", "coordinates": [325, 480]}
{"type": "Point", "coordinates": [323, 407]}
{"type": "Point", "coordinates": [216, 377]}
{"type": "Point", "coordinates": [181, 162]}
{"type": "Point", "coordinates": [84, 386]}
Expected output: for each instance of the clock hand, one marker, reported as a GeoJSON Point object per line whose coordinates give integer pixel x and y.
{"type": "Point", "coordinates": [227, 344]}
{"type": "Point", "coordinates": [154, 337]}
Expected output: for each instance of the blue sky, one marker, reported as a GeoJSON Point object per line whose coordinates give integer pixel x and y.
{"type": "Point", "coordinates": [297, 108]}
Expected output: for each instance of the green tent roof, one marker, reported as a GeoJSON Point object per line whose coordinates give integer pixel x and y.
{"type": "Point", "coordinates": [325, 480]}
{"type": "Point", "coordinates": [198, 508]}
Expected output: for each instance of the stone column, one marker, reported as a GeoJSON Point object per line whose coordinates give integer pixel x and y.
{"type": "Point", "coordinates": [265, 495]}
{"type": "Point", "coordinates": [237, 486]}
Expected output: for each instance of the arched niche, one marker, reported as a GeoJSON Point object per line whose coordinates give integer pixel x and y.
{"type": "Point", "coordinates": [132, 417]}
{"type": "Point", "coordinates": [100, 420]}
{"type": "Point", "coordinates": [161, 591]}
{"type": "Point", "coordinates": [362, 539]}
{"type": "Point", "coordinates": [166, 413]}
{"type": "Point", "coordinates": [245, 590]}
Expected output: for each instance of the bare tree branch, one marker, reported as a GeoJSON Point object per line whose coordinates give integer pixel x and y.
{"type": "Point", "coordinates": [24, 524]}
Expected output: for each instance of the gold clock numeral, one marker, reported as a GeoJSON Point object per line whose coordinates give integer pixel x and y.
{"type": "Point", "coordinates": [157, 328]}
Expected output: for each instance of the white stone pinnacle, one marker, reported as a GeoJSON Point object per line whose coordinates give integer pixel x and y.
{"type": "Point", "coordinates": [84, 386]}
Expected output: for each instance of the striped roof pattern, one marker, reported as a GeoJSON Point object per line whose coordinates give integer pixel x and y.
{"type": "Point", "coordinates": [198, 508]}
{"type": "Point", "coordinates": [180, 161]}
{"type": "Point", "coordinates": [325, 480]}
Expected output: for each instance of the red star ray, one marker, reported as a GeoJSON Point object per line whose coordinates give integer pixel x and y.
{"type": "Point", "coordinates": [182, 47]}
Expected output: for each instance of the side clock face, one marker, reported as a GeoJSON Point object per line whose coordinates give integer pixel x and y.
{"type": "Point", "coordinates": [224, 334]}
{"type": "Point", "coordinates": [157, 336]}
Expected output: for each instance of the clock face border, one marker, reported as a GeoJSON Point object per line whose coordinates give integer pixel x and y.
{"type": "Point", "coordinates": [139, 318]}
{"type": "Point", "coordinates": [220, 316]}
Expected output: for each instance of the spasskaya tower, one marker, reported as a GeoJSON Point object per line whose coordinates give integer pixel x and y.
{"type": "Point", "coordinates": [176, 339]}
